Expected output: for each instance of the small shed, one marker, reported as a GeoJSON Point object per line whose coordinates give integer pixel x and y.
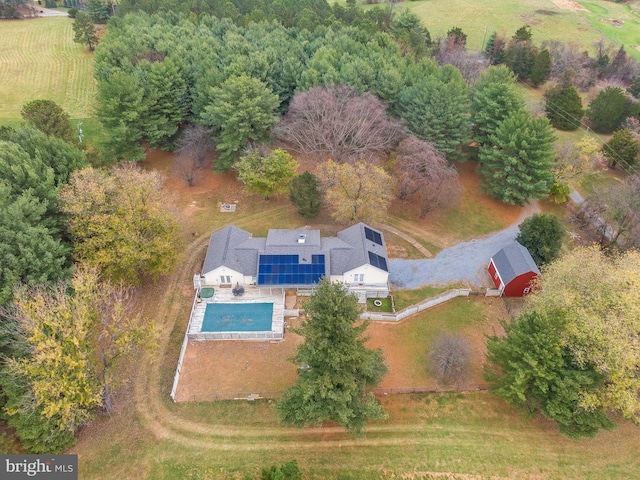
{"type": "Point", "coordinates": [512, 270]}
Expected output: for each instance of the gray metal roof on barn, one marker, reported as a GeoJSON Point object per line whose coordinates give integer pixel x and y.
{"type": "Point", "coordinates": [513, 261]}
{"type": "Point", "coordinates": [237, 249]}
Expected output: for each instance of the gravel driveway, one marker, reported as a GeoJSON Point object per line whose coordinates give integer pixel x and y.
{"type": "Point", "coordinates": [466, 262]}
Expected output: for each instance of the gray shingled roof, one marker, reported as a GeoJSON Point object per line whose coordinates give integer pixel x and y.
{"type": "Point", "coordinates": [512, 261]}
{"type": "Point", "coordinates": [237, 249]}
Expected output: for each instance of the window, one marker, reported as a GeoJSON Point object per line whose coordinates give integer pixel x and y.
{"type": "Point", "coordinates": [358, 278]}
{"type": "Point", "coordinates": [225, 279]}
{"type": "Point", "coordinates": [495, 277]}
{"type": "Point", "coordinates": [526, 290]}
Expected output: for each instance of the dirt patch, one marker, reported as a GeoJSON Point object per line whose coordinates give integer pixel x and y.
{"type": "Point", "coordinates": [569, 5]}
{"type": "Point", "coordinates": [615, 23]}
{"type": "Point", "coordinates": [547, 12]}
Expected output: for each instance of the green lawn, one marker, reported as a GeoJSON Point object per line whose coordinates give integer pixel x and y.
{"type": "Point", "coordinates": [480, 18]}
{"type": "Point", "coordinates": [38, 59]}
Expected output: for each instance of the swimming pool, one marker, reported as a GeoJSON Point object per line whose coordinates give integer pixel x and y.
{"type": "Point", "coordinates": [237, 317]}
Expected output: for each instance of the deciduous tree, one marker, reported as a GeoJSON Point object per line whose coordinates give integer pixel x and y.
{"type": "Point", "coordinates": [356, 193]}
{"type": "Point", "coordinates": [449, 359]}
{"type": "Point", "coordinates": [335, 122]}
{"type": "Point", "coordinates": [535, 370]}
{"type": "Point", "coordinates": [424, 176]}
{"type": "Point", "coordinates": [516, 164]}
{"type": "Point", "coordinates": [599, 297]}
{"type": "Point", "coordinates": [336, 366]}
{"type": "Point", "coordinates": [266, 173]}
{"type": "Point", "coordinates": [622, 149]}
{"type": "Point", "coordinates": [542, 235]}
{"type": "Point", "coordinates": [121, 223]}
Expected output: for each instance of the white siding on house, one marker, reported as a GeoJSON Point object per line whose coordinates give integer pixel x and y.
{"type": "Point", "coordinates": [214, 277]}
{"type": "Point", "coordinates": [371, 275]}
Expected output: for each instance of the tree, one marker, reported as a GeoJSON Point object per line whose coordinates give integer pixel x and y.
{"type": "Point", "coordinates": [541, 69]}
{"type": "Point", "coordinates": [634, 87]}
{"type": "Point", "coordinates": [195, 142]}
{"type": "Point", "coordinates": [49, 117]}
{"type": "Point", "coordinates": [412, 35]}
{"type": "Point", "coordinates": [336, 366]}
{"type": "Point", "coordinates": [563, 107]}
{"type": "Point", "coordinates": [517, 164]}
{"type": "Point", "coordinates": [31, 252]}
{"type": "Point", "coordinates": [335, 122]}
{"type": "Point", "coordinates": [266, 174]}
{"type": "Point", "coordinates": [598, 296]}
{"type": "Point", "coordinates": [121, 223]}
{"type": "Point", "coordinates": [425, 177]}
{"type": "Point", "coordinates": [84, 31]}
{"type": "Point", "coordinates": [609, 109]}
{"type": "Point", "coordinates": [98, 10]}
{"type": "Point", "coordinates": [521, 53]}
{"type": "Point", "coordinates": [622, 148]}
{"type": "Point", "coordinates": [535, 371]}
{"type": "Point", "coordinates": [306, 195]}
{"type": "Point", "coordinates": [493, 98]}
{"type": "Point", "coordinates": [615, 212]}
{"type": "Point", "coordinates": [495, 49]}
{"type": "Point", "coordinates": [356, 193]}
{"type": "Point", "coordinates": [542, 235]}
{"type": "Point", "coordinates": [449, 358]}
{"type": "Point", "coordinates": [69, 340]}
{"type": "Point", "coordinates": [243, 110]}
{"type": "Point", "coordinates": [436, 107]}
{"type": "Point", "coordinates": [287, 471]}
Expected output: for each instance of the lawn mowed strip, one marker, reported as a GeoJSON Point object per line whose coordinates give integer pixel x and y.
{"type": "Point", "coordinates": [39, 60]}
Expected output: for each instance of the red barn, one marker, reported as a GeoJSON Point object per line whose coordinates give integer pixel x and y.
{"type": "Point", "coordinates": [512, 270]}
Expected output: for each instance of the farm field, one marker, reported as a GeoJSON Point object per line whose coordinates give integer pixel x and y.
{"type": "Point", "coordinates": [565, 20]}
{"type": "Point", "coordinates": [38, 59]}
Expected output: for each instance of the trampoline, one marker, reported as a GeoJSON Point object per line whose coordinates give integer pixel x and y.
{"type": "Point", "coordinates": [237, 317]}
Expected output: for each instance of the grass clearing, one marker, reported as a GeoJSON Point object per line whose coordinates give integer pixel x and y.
{"type": "Point", "coordinates": [38, 59]}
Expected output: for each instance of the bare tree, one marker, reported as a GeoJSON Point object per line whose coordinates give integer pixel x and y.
{"type": "Point", "coordinates": [424, 176]}
{"type": "Point", "coordinates": [615, 212]}
{"type": "Point", "coordinates": [195, 141]}
{"type": "Point", "coordinates": [470, 64]}
{"type": "Point", "coordinates": [570, 65]}
{"type": "Point", "coordinates": [186, 166]}
{"type": "Point", "coordinates": [335, 122]}
{"type": "Point", "coordinates": [449, 359]}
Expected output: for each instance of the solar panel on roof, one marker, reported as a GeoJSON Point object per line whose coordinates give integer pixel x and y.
{"type": "Point", "coordinates": [372, 235]}
{"type": "Point", "coordinates": [378, 261]}
{"type": "Point", "coordinates": [287, 270]}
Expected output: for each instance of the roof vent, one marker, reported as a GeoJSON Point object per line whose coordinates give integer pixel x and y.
{"type": "Point", "coordinates": [301, 238]}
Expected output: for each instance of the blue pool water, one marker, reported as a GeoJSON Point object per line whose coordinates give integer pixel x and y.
{"type": "Point", "coordinates": [237, 317]}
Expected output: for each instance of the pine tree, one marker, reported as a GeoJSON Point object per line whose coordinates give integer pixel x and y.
{"type": "Point", "coordinates": [609, 109]}
{"type": "Point", "coordinates": [336, 367]}
{"type": "Point", "coordinates": [563, 107]}
{"type": "Point", "coordinates": [516, 164]}
{"type": "Point", "coordinates": [493, 98]}
{"type": "Point", "coordinates": [541, 69]}
{"type": "Point", "coordinates": [623, 148]}
{"type": "Point", "coordinates": [306, 195]}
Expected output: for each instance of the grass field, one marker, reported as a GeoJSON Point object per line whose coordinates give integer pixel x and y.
{"type": "Point", "coordinates": [480, 18]}
{"type": "Point", "coordinates": [38, 59]}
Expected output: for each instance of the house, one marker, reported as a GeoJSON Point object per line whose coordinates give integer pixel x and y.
{"type": "Point", "coordinates": [297, 259]}
{"type": "Point", "coordinates": [512, 270]}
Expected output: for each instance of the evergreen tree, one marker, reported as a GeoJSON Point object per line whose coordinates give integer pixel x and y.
{"type": "Point", "coordinates": [609, 109]}
{"type": "Point", "coordinates": [493, 99]}
{"type": "Point", "coordinates": [535, 371]}
{"type": "Point", "coordinates": [623, 148]}
{"type": "Point", "coordinates": [495, 49]}
{"type": "Point", "coordinates": [516, 164]}
{"type": "Point", "coordinates": [336, 367]}
{"type": "Point", "coordinates": [243, 110]}
{"type": "Point", "coordinates": [436, 108]}
{"type": "Point", "coordinates": [563, 106]}
{"type": "Point", "coordinates": [634, 87]}
{"type": "Point", "coordinates": [306, 194]}
{"type": "Point", "coordinates": [521, 53]}
{"type": "Point", "coordinates": [542, 235]}
{"type": "Point", "coordinates": [84, 30]}
{"type": "Point", "coordinates": [541, 69]}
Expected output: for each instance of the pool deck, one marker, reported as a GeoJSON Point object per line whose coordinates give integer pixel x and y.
{"type": "Point", "coordinates": [251, 295]}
